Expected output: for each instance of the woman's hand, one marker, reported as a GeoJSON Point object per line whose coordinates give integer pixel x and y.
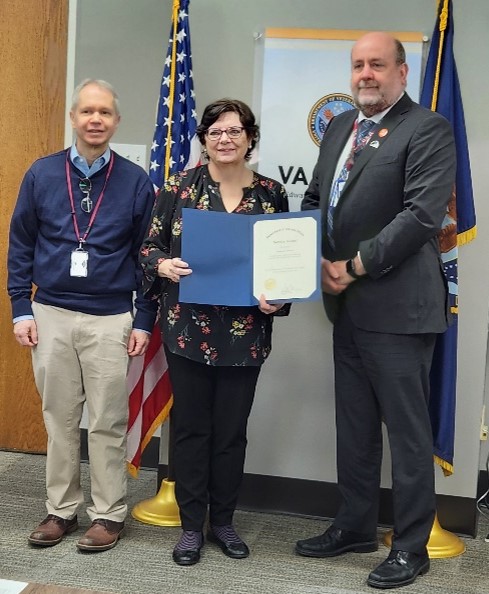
{"type": "Point", "coordinates": [268, 308]}
{"type": "Point", "coordinates": [173, 268]}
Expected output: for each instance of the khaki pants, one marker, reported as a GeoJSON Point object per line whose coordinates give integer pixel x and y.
{"type": "Point", "coordinates": [83, 358]}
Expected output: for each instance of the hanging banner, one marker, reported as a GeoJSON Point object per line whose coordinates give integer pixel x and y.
{"type": "Point", "coordinates": [305, 81]}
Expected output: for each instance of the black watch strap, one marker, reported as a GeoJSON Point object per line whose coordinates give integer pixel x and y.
{"type": "Point", "coordinates": [350, 268]}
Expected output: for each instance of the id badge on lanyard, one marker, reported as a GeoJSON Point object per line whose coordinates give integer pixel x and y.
{"type": "Point", "coordinates": [79, 256]}
{"type": "Point", "coordinates": [79, 263]}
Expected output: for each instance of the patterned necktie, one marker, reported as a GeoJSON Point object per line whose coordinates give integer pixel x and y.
{"type": "Point", "coordinates": [362, 136]}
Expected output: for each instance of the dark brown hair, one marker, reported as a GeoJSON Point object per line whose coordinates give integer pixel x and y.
{"type": "Point", "coordinates": [400, 52]}
{"type": "Point", "coordinates": [214, 110]}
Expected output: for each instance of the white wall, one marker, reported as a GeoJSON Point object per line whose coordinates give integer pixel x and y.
{"type": "Point", "coordinates": [292, 425]}
{"type": "Point", "coordinates": [472, 48]}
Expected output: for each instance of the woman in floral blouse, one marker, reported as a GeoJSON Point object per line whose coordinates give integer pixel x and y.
{"type": "Point", "coordinates": [214, 353]}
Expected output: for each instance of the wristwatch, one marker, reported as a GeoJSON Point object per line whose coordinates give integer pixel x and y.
{"type": "Point", "coordinates": [350, 268]}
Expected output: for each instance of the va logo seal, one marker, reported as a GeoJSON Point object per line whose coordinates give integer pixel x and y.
{"type": "Point", "coordinates": [323, 111]}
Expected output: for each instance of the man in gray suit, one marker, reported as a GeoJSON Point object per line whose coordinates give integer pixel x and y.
{"type": "Point", "coordinates": [383, 187]}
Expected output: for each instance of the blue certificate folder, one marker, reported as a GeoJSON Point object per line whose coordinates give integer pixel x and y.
{"type": "Point", "coordinates": [218, 247]}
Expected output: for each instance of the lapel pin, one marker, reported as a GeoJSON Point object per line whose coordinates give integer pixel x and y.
{"type": "Point", "coordinates": [375, 144]}
{"type": "Point", "coordinates": [383, 132]}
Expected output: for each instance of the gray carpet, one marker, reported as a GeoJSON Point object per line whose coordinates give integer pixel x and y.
{"type": "Point", "coordinates": [141, 563]}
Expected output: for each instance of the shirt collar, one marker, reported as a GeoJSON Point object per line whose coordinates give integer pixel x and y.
{"type": "Point", "coordinates": [378, 116]}
{"type": "Point", "coordinates": [81, 163]}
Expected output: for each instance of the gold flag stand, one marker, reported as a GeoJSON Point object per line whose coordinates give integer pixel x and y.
{"type": "Point", "coordinates": [160, 510]}
{"type": "Point", "coordinates": [441, 545]}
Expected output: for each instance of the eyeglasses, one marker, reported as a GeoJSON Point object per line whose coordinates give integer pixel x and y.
{"type": "Point", "coordinates": [216, 133]}
{"type": "Point", "coordinates": [85, 186]}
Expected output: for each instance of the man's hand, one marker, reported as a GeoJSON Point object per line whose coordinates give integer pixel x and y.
{"type": "Point", "coordinates": [334, 278]}
{"type": "Point", "coordinates": [343, 278]}
{"type": "Point", "coordinates": [138, 343]}
{"type": "Point", "coordinates": [25, 333]}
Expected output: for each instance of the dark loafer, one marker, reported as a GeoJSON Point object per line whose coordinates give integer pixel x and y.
{"type": "Point", "coordinates": [399, 569]}
{"type": "Point", "coordinates": [336, 542]}
{"type": "Point", "coordinates": [188, 555]}
{"type": "Point", "coordinates": [102, 535]}
{"type": "Point", "coordinates": [52, 530]}
{"type": "Point", "coordinates": [236, 550]}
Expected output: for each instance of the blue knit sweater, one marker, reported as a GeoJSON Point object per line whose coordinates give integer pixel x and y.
{"type": "Point", "coordinates": [42, 237]}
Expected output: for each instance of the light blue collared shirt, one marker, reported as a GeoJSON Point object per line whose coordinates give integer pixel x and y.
{"type": "Point", "coordinates": [81, 163]}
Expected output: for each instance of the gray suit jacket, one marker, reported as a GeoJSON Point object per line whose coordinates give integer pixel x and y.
{"type": "Point", "coordinates": [391, 209]}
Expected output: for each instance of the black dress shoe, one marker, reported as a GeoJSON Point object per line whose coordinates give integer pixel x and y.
{"type": "Point", "coordinates": [236, 549]}
{"type": "Point", "coordinates": [189, 555]}
{"type": "Point", "coordinates": [186, 557]}
{"type": "Point", "coordinates": [399, 569]}
{"type": "Point", "coordinates": [336, 542]}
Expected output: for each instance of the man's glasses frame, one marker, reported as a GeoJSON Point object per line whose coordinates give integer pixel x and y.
{"type": "Point", "coordinates": [85, 186]}
{"type": "Point", "coordinates": [232, 132]}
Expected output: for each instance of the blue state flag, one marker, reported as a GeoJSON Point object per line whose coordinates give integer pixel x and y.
{"type": "Point", "coordinates": [441, 93]}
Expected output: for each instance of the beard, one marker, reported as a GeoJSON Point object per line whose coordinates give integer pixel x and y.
{"type": "Point", "coordinates": [371, 104]}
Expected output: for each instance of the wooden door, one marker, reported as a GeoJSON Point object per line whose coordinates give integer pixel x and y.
{"type": "Point", "coordinates": [33, 46]}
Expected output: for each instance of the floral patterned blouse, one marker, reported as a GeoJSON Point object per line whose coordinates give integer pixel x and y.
{"type": "Point", "coordinates": [213, 335]}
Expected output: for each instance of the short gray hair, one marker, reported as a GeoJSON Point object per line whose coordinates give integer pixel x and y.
{"type": "Point", "coordinates": [100, 83]}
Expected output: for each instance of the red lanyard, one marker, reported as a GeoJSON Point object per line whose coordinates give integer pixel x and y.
{"type": "Point", "coordinates": [81, 240]}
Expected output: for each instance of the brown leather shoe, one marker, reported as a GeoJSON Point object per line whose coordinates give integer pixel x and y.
{"type": "Point", "coordinates": [52, 530]}
{"type": "Point", "coordinates": [101, 536]}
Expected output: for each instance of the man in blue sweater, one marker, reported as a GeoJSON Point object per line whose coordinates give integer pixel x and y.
{"type": "Point", "coordinates": [79, 220]}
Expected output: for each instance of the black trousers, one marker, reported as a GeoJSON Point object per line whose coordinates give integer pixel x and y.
{"type": "Point", "coordinates": [210, 414]}
{"type": "Point", "coordinates": [384, 377]}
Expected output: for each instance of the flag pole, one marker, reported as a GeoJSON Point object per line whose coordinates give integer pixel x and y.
{"type": "Point", "coordinates": [173, 149]}
{"type": "Point", "coordinates": [441, 93]}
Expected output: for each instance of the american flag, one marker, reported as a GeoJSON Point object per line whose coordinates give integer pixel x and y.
{"type": "Point", "coordinates": [174, 143]}
{"type": "Point", "coordinates": [174, 148]}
